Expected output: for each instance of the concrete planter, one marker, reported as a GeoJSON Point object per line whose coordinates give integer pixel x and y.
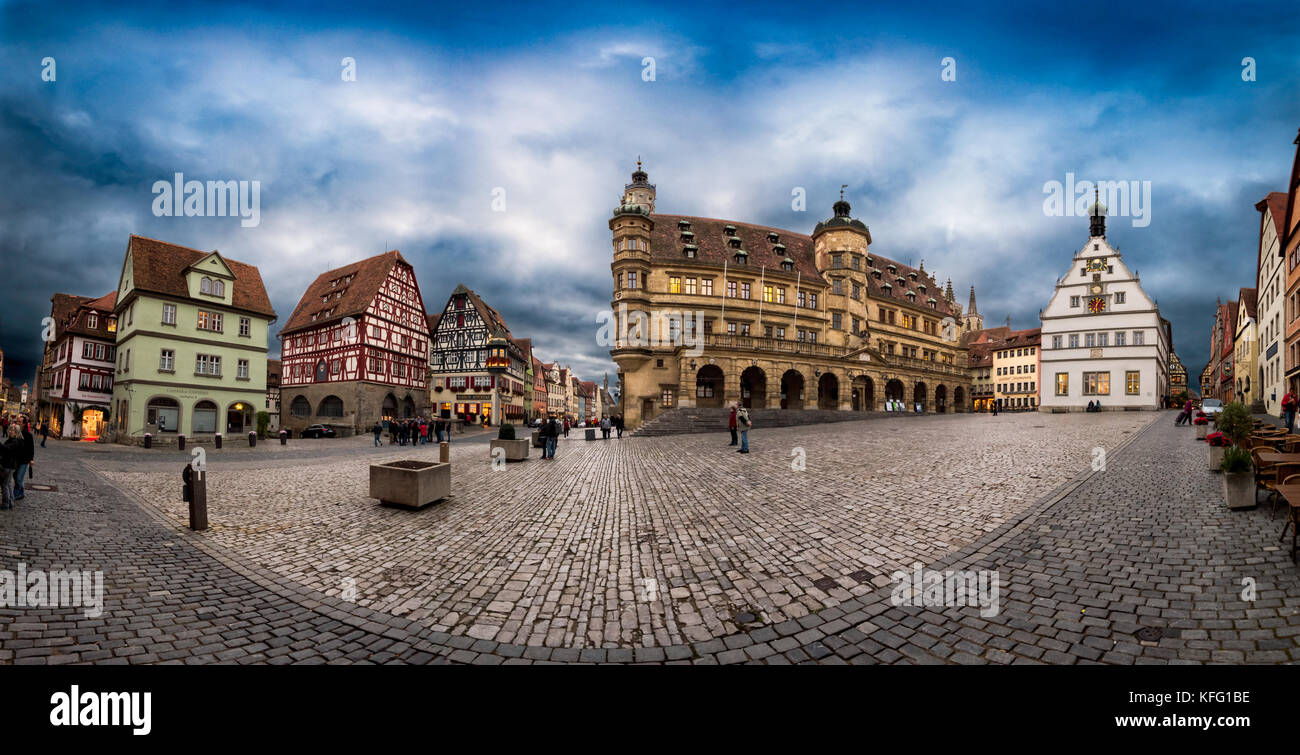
{"type": "Point", "coordinates": [590, 433]}
{"type": "Point", "coordinates": [516, 450]}
{"type": "Point", "coordinates": [408, 483]}
{"type": "Point", "coordinates": [1201, 431]}
{"type": "Point", "coordinates": [1216, 458]}
{"type": "Point", "coordinates": [1239, 489]}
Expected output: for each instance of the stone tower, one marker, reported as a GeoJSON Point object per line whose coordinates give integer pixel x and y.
{"type": "Point", "coordinates": [973, 320]}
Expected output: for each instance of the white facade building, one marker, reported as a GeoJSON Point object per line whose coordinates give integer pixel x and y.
{"type": "Point", "coordinates": [1271, 286]}
{"type": "Point", "coordinates": [1102, 336]}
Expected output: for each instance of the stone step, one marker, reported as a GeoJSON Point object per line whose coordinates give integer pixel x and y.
{"type": "Point", "coordinates": [682, 420]}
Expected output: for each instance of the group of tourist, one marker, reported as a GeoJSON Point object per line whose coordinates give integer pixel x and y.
{"type": "Point", "coordinates": [416, 431]}
{"type": "Point", "coordinates": [739, 422]}
{"type": "Point", "coordinates": [553, 427]}
{"type": "Point", "coordinates": [17, 456]}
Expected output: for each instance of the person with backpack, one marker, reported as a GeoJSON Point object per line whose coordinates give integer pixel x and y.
{"type": "Point", "coordinates": [378, 430]}
{"type": "Point", "coordinates": [743, 423]}
{"type": "Point", "coordinates": [731, 425]}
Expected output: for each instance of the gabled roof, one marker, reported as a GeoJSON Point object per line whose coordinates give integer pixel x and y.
{"type": "Point", "coordinates": [431, 319]}
{"type": "Point", "coordinates": [1248, 300]}
{"type": "Point", "coordinates": [1275, 203]}
{"type": "Point", "coordinates": [713, 247]}
{"type": "Point", "coordinates": [103, 306]}
{"type": "Point", "coordinates": [160, 267]}
{"type": "Point", "coordinates": [343, 299]}
{"type": "Point", "coordinates": [62, 307]}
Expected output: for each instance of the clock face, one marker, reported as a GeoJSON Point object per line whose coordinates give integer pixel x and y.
{"type": "Point", "coordinates": [1097, 265]}
{"type": "Point", "coordinates": [1096, 288]}
{"type": "Point", "coordinates": [1096, 304]}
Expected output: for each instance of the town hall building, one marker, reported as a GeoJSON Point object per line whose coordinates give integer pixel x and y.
{"type": "Point", "coordinates": [1102, 335]}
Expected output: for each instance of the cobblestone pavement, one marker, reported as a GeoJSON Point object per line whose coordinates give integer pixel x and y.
{"type": "Point", "coordinates": [1146, 543]}
{"type": "Point", "coordinates": [643, 542]}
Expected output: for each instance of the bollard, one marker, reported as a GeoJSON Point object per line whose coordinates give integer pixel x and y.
{"type": "Point", "coordinates": [199, 501]}
{"type": "Point", "coordinates": [180, 442]}
{"type": "Point", "coordinates": [252, 439]}
{"type": "Point", "coordinates": [284, 438]}
{"type": "Point", "coordinates": [187, 489]}
{"type": "Point", "coordinates": [444, 452]}
{"type": "Point", "coordinates": [148, 440]}
{"type": "Point", "coordinates": [218, 436]}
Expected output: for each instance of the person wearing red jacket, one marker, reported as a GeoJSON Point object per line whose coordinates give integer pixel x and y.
{"type": "Point", "coordinates": [731, 425]}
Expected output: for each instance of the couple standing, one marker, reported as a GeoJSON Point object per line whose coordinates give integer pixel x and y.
{"type": "Point", "coordinates": [739, 420]}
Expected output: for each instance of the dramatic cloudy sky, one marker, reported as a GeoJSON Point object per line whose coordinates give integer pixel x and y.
{"type": "Point", "coordinates": [549, 104]}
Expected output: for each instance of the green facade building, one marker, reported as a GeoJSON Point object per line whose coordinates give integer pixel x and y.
{"type": "Point", "coordinates": [191, 343]}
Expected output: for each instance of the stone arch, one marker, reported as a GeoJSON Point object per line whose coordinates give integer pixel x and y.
{"type": "Point", "coordinates": [959, 400]}
{"type": "Point", "coordinates": [204, 417]}
{"type": "Point", "coordinates": [165, 408]}
{"type": "Point", "coordinates": [408, 407]}
{"type": "Point", "coordinates": [864, 394]}
{"type": "Point", "coordinates": [300, 406]}
{"type": "Point", "coordinates": [941, 399]}
{"type": "Point", "coordinates": [710, 383]}
{"type": "Point", "coordinates": [792, 385]}
{"type": "Point", "coordinates": [894, 393]}
{"type": "Point", "coordinates": [389, 408]}
{"type": "Point", "coordinates": [330, 406]}
{"type": "Point", "coordinates": [239, 417]}
{"type": "Point", "coordinates": [753, 387]}
{"type": "Point", "coordinates": [828, 391]}
{"type": "Point", "coordinates": [919, 396]}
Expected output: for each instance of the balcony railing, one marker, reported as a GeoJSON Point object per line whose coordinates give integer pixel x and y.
{"type": "Point", "coordinates": [930, 365]}
{"type": "Point", "coordinates": [760, 343]}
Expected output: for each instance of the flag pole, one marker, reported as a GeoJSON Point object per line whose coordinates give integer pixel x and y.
{"type": "Point", "coordinates": [797, 279]}
{"type": "Point", "coordinates": [762, 280]}
{"type": "Point", "coordinates": [722, 318]}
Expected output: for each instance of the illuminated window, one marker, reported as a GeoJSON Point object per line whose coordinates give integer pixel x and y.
{"type": "Point", "coordinates": [1062, 383]}
{"type": "Point", "coordinates": [1132, 382]}
{"type": "Point", "coordinates": [769, 295]}
{"type": "Point", "coordinates": [666, 397]}
{"type": "Point", "coordinates": [706, 286]}
{"type": "Point", "coordinates": [1096, 383]}
{"type": "Point", "coordinates": [674, 285]}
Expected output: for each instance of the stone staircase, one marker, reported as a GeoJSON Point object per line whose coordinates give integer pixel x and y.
{"type": "Point", "coordinates": [680, 421]}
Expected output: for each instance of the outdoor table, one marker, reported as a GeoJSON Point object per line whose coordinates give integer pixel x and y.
{"type": "Point", "coordinates": [1290, 494]}
{"type": "Point", "coordinates": [1271, 457]}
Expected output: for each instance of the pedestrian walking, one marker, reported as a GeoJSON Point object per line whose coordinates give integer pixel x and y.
{"type": "Point", "coordinates": [566, 427]}
{"type": "Point", "coordinates": [378, 430]}
{"type": "Point", "coordinates": [618, 424]}
{"type": "Point", "coordinates": [742, 420]}
{"type": "Point", "coordinates": [26, 455]}
{"type": "Point", "coordinates": [10, 450]}
{"type": "Point", "coordinates": [604, 428]}
{"type": "Point", "coordinates": [1185, 414]}
{"type": "Point", "coordinates": [45, 432]}
{"type": "Point", "coordinates": [1288, 410]}
{"type": "Point", "coordinates": [731, 425]}
{"type": "Point", "coordinates": [553, 429]}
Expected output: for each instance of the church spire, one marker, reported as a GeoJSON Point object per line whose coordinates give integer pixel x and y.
{"type": "Point", "coordinates": [971, 309]}
{"type": "Point", "coordinates": [947, 293]}
{"type": "Point", "coordinates": [1097, 221]}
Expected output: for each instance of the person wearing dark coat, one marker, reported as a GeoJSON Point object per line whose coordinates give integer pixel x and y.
{"type": "Point", "coordinates": [11, 448]}
{"type": "Point", "coordinates": [26, 455]}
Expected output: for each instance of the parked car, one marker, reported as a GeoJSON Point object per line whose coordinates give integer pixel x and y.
{"type": "Point", "coordinates": [319, 431]}
{"type": "Point", "coordinates": [1211, 407]}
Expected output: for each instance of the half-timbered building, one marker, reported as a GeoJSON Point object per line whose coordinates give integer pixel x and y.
{"type": "Point", "coordinates": [355, 349]}
{"type": "Point", "coordinates": [478, 368]}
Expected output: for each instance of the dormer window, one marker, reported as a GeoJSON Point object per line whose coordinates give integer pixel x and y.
{"type": "Point", "coordinates": [779, 248]}
{"type": "Point", "coordinates": [876, 273]}
{"type": "Point", "coordinates": [870, 262]}
{"type": "Point", "coordinates": [212, 287]}
{"type": "Point", "coordinates": [688, 236]}
{"type": "Point", "coordinates": [901, 280]}
{"type": "Point", "coordinates": [922, 287]}
{"type": "Point", "coordinates": [690, 251]}
{"type": "Point", "coordinates": [734, 241]}
{"type": "Point", "coordinates": [911, 296]}
{"type": "Point", "coordinates": [741, 256]}
{"type": "Point", "coordinates": [92, 321]}
{"type": "Point", "coordinates": [683, 224]}
{"type": "Point", "coordinates": [912, 275]}
{"type": "Point", "coordinates": [772, 237]}
{"type": "Point", "coordinates": [729, 229]}
{"type": "Point", "coordinates": [887, 286]}
{"type": "Point", "coordinates": [787, 264]}
{"type": "Point", "coordinates": [892, 270]}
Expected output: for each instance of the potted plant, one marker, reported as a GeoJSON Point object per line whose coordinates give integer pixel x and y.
{"type": "Point", "coordinates": [1238, 476]}
{"type": "Point", "coordinates": [515, 450]}
{"type": "Point", "coordinates": [1217, 442]}
{"type": "Point", "coordinates": [1202, 423]}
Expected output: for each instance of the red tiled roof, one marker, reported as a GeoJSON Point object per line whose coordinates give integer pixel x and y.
{"type": "Point", "coordinates": [1276, 204]}
{"type": "Point", "coordinates": [62, 307]}
{"type": "Point", "coordinates": [344, 299]}
{"type": "Point", "coordinates": [159, 267]}
{"type": "Point", "coordinates": [1249, 300]}
{"type": "Point", "coordinates": [666, 245]}
{"type": "Point", "coordinates": [103, 306]}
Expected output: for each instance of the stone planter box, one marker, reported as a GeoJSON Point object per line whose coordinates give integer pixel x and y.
{"type": "Point", "coordinates": [410, 484]}
{"type": "Point", "coordinates": [537, 439]}
{"type": "Point", "coordinates": [1239, 489]}
{"type": "Point", "coordinates": [1216, 458]}
{"type": "Point", "coordinates": [591, 433]}
{"type": "Point", "coordinates": [516, 450]}
{"type": "Point", "coordinates": [1201, 431]}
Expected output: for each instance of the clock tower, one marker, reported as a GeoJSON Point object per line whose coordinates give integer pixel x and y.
{"type": "Point", "coordinates": [1102, 338]}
